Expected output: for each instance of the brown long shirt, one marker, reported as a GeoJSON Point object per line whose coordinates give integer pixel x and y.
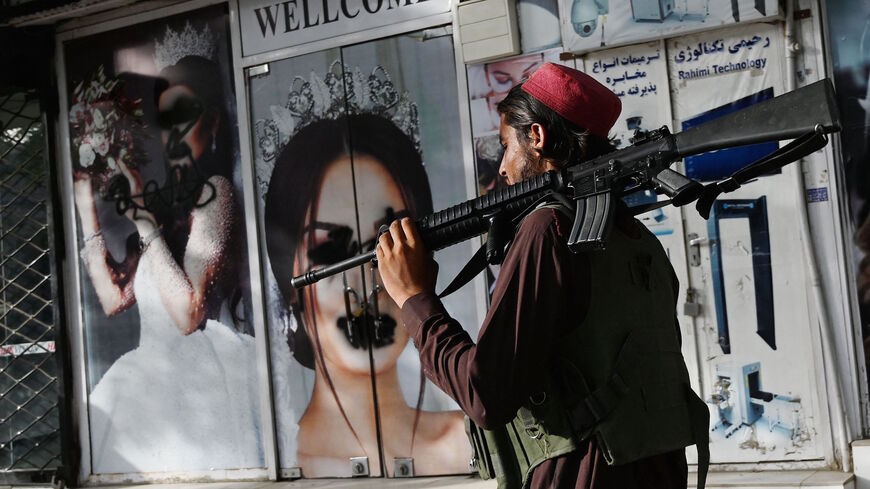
{"type": "Point", "coordinates": [542, 293]}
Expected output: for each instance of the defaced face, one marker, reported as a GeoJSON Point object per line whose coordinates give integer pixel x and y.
{"type": "Point", "coordinates": [187, 130]}
{"type": "Point", "coordinates": [333, 224]}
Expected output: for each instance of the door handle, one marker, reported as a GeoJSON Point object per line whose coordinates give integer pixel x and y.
{"type": "Point", "coordinates": [695, 243]}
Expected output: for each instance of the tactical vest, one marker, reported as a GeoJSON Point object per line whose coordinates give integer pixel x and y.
{"type": "Point", "coordinates": [619, 377]}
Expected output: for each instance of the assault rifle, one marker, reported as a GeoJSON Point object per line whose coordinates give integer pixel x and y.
{"type": "Point", "coordinates": [591, 187]}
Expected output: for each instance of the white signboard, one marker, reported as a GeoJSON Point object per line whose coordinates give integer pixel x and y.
{"type": "Point", "coordinates": [270, 25]}
{"type": "Point", "coordinates": [639, 76]}
{"type": "Point", "coordinates": [592, 24]}
{"type": "Point", "coordinates": [755, 336]}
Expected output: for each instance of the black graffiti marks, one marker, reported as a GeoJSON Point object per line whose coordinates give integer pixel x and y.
{"type": "Point", "coordinates": [185, 188]}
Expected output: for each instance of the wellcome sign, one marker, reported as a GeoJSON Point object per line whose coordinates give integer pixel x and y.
{"type": "Point", "coordinates": [269, 25]}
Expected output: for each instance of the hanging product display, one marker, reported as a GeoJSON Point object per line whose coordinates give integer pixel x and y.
{"type": "Point", "coordinates": [652, 10]}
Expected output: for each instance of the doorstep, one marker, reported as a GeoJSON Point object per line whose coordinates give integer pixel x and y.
{"type": "Point", "coordinates": [803, 479]}
{"type": "Point", "coordinates": [787, 479]}
{"type": "Point", "coordinates": [449, 482]}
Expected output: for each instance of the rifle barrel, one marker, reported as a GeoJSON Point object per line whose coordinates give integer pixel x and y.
{"type": "Point", "coordinates": [315, 275]}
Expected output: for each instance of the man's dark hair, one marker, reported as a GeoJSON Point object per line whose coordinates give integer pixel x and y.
{"type": "Point", "coordinates": [566, 143]}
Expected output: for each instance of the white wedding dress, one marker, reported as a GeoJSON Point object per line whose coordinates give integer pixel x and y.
{"type": "Point", "coordinates": [177, 403]}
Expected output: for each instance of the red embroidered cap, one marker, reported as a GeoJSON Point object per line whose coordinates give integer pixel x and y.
{"type": "Point", "coordinates": [575, 96]}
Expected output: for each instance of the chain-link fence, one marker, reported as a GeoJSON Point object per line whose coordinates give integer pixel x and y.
{"type": "Point", "coordinates": [29, 386]}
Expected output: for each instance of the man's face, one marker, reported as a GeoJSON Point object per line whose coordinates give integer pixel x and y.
{"type": "Point", "coordinates": [520, 161]}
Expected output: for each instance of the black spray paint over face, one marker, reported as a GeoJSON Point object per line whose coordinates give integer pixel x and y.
{"type": "Point", "coordinates": [356, 330]}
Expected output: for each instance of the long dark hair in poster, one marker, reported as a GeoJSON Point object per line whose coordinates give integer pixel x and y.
{"type": "Point", "coordinates": [849, 24]}
{"type": "Point", "coordinates": [155, 163]}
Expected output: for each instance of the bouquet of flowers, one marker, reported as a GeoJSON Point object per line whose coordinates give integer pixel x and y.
{"type": "Point", "coordinates": [104, 126]}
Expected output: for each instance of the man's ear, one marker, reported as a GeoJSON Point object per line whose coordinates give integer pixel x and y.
{"type": "Point", "coordinates": [537, 136]}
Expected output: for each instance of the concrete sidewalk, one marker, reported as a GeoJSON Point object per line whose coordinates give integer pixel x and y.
{"type": "Point", "coordinates": [803, 479]}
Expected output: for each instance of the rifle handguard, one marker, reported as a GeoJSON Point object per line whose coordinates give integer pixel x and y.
{"type": "Point", "coordinates": [457, 223]}
{"type": "Point", "coordinates": [468, 219]}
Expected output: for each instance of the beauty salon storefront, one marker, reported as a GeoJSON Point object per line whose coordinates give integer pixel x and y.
{"type": "Point", "coordinates": [209, 151]}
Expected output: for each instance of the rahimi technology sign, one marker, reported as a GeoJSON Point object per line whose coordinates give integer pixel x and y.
{"type": "Point", "coordinates": [269, 25]}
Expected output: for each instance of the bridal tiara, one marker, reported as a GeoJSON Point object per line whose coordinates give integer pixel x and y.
{"type": "Point", "coordinates": [187, 42]}
{"type": "Point", "coordinates": [341, 90]}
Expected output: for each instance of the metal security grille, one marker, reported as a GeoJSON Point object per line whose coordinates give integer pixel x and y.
{"type": "Point", "coordinates": [29, 387]}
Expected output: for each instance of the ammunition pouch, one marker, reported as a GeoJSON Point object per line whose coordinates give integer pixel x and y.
{"type": "Point", "coordinates": [540, 431]}
{"type": "Point", "coordinates": [493, 455]}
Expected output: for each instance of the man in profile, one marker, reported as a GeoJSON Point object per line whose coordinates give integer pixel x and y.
{"type": "Point", "coordinates": [576, 379]}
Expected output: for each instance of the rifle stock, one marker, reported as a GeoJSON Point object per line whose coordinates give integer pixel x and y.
{"type": "Point", "coordinates": [594, 185]}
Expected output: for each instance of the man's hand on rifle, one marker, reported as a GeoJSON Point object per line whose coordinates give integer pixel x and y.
{"type": "Point", "coordinates": [406, 266]}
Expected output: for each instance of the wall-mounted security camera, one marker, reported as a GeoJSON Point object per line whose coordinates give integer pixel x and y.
{"type": "Point", "coordinates": [584, 15]}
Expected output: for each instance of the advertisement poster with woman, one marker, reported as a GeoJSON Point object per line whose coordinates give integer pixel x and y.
{"type": "Point", "coordinates": [155, 162]}
{"type": "Point", "coordinates": [346, 140]}
{"type": "Point", "coordinates": [850, 52]}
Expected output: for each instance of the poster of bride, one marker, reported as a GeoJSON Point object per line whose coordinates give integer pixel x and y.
{"type": "Point", "coordinates": [170, 352]}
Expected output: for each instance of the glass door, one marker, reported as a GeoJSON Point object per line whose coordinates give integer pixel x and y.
{"type": "Point", "coordinates": [346, 140]}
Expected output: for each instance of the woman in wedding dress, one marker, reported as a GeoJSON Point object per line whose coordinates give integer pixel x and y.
{"type": "Point", "coordinates": [186, 398]}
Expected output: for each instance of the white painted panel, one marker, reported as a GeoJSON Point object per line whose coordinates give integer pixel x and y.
{"type": "Point", "coordinates": [748, 60]}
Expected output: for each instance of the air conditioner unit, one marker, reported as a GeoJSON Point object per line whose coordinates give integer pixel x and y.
{"type": "Point", "coordinates": [487, 29]}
